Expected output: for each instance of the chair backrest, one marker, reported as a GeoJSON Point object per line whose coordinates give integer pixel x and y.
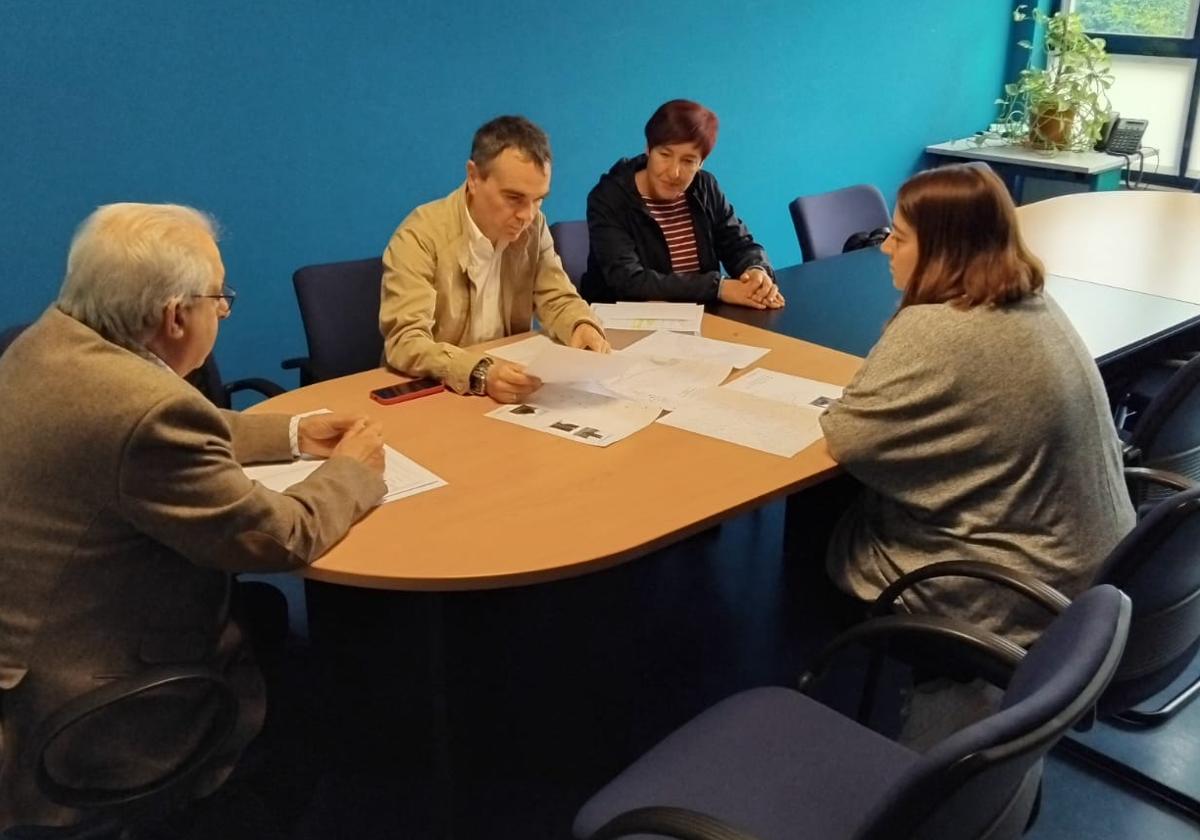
{"type": "Point", "coordinates": [1158, 566]}
{"type": "Point", "coordinates": [825, 221]}
{"type": "Point", "coordinates": [9, 335]}
{"type": "Point", "coordinates": [983, 780]}
{"type": "Point", "coordinates": [1168, 432]}
{"type": "Point", "coordinates": [339, 305]}
{"type": "Point", "coordinates": [573, 246]}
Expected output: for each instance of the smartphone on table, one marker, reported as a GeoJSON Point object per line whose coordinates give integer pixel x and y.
{"type": "Point", "coordinates": [404, 391]}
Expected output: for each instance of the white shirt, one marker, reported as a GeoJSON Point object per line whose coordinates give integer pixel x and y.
{"type": "Point", "coordinates": [481, 261]}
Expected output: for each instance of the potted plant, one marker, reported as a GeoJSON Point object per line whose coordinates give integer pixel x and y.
{"type": "Point", "coordinates": [1063, 105]}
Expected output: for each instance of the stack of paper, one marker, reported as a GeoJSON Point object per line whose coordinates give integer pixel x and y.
{"type": "Point", "coordinates": [783, 387]}
{"type": "Point", "coordinates": [627, 315]}
{"type": "Point", "coordinates": [403, 476]}
{"type": "Point", "coordinates": [675, 346]}
{"type": "Point", "coordinates": [578, 415]}
{"type": "Point", "coordinates": [747, 420]}
{"type": "Point", "coordinates": [765, 410]}
{"type": "Point", "coordinates": [666, 382]}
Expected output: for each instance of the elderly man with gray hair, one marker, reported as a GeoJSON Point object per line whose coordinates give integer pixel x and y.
{"type": "Point", "coordinates": [476, 266]}
{"type": "Point", "coordinates": [125, 509]}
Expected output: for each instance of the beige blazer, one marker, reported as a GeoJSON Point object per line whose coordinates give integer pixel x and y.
{"type": "Point", "coordinates": [425, 309]}
{"type": "Point", "coordinates": [123, 511]}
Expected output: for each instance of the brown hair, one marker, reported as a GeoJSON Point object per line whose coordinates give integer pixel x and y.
{"type": "Point", "coordinates": [501, 133]}
{"type": "Point", "coordinates": [682, 121]}
{"type": "Point", "coordinates": [969, 249]}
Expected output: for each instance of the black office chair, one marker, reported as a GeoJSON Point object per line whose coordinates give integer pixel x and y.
{"type": "Point", "coordinates": [207, 379]}
{"type": "Point", "coordinates": [771, 763]}
{"type": "Point", "coordinates": [113, 812]}
{"type": "Point", "coordinates": [339, 305]}
{"type": "Point", "coordinates": [9, 335]}
{"type": "Point", "coordinates": [825, 221]}
{"type": "Point", "coordinates": [573, 245]}
{"type": "Point", "coordinates": [1166, 435]}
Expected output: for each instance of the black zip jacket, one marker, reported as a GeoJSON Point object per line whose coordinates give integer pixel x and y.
{"type": "Point", "coordinates": [629, 259]}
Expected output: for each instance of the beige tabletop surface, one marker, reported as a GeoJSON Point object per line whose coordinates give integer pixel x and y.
{"type": "Point", "coordinates": [522, 507]}
{"type": "Point", "coordinates": [1145, 241]}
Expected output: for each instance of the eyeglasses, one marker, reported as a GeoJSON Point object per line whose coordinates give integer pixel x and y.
{"type": "Point", "coordinates": [228, 294]}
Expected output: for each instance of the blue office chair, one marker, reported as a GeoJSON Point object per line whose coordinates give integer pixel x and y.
{"type": "Point", "coordinates": [771, 763]}
{"type": "Point", "coordinates": [825, 221]}
{"type": "Point", "coordinates": [1158, 566]}
{"type": "Point", "coordinates": [573, 246]}
{"type": "Point", "coordinates": [339, 305]}
{"type": "Point", "coordinates": [113, 811]}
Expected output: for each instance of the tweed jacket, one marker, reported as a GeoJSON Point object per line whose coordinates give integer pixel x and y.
{"type": "Point", "coordinates": [123, 513]}
{"type": "Point", "coordinates": [425, 306]}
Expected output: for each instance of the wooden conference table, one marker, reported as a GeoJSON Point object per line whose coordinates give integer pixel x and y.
{"type": "Point", "coordinates": [1143, 241]}
{"type": "Point", "coordinates": [521, 507]}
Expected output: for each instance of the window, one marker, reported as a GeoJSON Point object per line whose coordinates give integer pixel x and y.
{"type": "Point", "coordinates": [1153, 18]}
{"type": "Point", "coordinates": [1155, 51]}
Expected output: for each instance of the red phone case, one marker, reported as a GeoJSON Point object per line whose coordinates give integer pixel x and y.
{"type": "Point", "coordinates": [424, 392]}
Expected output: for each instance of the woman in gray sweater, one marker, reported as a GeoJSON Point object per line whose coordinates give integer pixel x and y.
{"type": "Point", "coordinates": [978, 423]}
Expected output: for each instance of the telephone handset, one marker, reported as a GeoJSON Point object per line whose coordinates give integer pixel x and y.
{"type": "Point", "coordinates": [1122, 137]}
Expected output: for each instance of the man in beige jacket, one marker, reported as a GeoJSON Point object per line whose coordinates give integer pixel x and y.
{"type": "Point", "coordinates": [476, 265]}
{"type": "Point", "coordinates": [124, 510]}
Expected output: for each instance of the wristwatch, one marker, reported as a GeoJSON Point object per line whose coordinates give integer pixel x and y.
{"type": "Point", "coordinates": [479, 376]}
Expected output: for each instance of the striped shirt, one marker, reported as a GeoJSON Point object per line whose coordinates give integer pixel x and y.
{"type": "Point", "coordinates": [675, 219]}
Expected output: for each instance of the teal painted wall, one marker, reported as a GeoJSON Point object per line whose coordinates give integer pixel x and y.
{"type": "Point", "coordinates": [311, 128]}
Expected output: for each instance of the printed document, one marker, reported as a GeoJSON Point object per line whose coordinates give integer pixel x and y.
{"type": "Point", "coordinates": [675, 346]}
{"type": "Point", "coordinates": [522, 352]}
{"type": "Point", "coordinates": [783, 387]}
{"type": "Point", "coordinates": [557, 363]}
{"type": "Point", "coordinates": [747, 420]}
{"type": "Point", "coordinates": [666, 382]}
{"type": "Point", "coordinates": [403, 476]}
{"type": "Point", "coordinates": [578, 415]}
{"type": "Point", "coordinates": [630, 315]}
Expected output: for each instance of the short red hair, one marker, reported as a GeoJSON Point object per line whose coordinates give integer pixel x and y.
{"type": "Point", "coordinates": [683, 121]}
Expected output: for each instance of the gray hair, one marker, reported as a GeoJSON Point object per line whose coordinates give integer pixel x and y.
{"type": "Point", "coordinates": [128, 261]}
{"type": "Point", "coordinates": [494, 136]}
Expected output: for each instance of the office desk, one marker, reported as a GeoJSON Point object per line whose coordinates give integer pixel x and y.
{"type": "Point", "coordinates": [1099, 170]}
{"type": "Point", "coordinates": [574, 508]}
{"type": "Point", "coordinates": [845, 301]}
{"type": "Point", "coordinates": [1141, 240]}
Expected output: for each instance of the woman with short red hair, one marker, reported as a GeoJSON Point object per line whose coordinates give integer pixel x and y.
{"type": "Point", "coordinates": [661, 229]}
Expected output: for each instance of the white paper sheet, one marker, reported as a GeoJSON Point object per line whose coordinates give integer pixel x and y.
{"type": "Point", "coordinates": [666, 382]}
{"type": "Point", "coordinates": [578, 415]}
{"type": "Point", "coordinates": [556, 363]}
{"type": "Point", "coordinates": [675, 346]}
{"type": "Point", "coordinates": [783, 387]}
{"type": "Point", "coordinates": [403, 476]}
{"type": "Point", "coordinates": [629, 315]}
{"type": "Point", "coordinates": [522, 352]}
{"type": "Point", "coordinates": [747, 420]}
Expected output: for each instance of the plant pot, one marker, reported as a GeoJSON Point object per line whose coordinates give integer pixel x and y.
{"type": "Point", "coordinates": [1051, 129]}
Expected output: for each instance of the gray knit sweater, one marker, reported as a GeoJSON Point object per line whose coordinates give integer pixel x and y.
{"type": "Point", "coordinates": [980, 434]}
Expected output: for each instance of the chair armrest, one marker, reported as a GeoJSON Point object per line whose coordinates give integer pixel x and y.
{"type": "Point", "coordinates": [662, 821]}
{"type": "Point", "coordinates": [1035, 590]}
{"type": "Point", "coordinates": [263, 386]}
{"type": "Point", "coordinates": [998, 650]}
{"type": "Point", "coordinates": [1163, 478]}
{"type": "Point", "coordinates": [302, 364]}
{"type": "Point", "coordinates": [116, 692]}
